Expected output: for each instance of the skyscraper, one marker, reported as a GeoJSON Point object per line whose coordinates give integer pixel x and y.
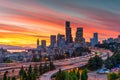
{"type": "Point", "coordinates": [94, 40]}
{"type": "Point", "coordinates": [38, 43]}
{"type": "Point", "coordinates": [79, 36]}
{"type": "Point", "coordinates": [60, 40]}
{"type": "Point", "coordinates": [52, 40]}
{"type": "Point", "coordinates": [68, 36]}
{"type": "Point", "coordinates": [43, 43]}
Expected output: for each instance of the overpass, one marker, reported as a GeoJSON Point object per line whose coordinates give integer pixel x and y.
{"type": "Point", "coordinates": [48, 75]}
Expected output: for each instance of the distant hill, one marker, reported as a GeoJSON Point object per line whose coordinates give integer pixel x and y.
{"type": "Point", "coordinates": [11, 47]}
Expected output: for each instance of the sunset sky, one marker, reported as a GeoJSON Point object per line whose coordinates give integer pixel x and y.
{"type": "Point", "coordinates": [23, 21]}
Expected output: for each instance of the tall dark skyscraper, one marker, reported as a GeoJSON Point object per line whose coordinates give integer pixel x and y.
{"type": "Point", "coordinates": [38, 43]}
{"type": "Point", "coordinates": [96, 38]}
{"type": "Point", "coordinates": [69, 38]}
{"type": "Point", "coordinates": [79, 36]}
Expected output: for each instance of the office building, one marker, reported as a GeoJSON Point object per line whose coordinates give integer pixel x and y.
{"type": "Point", "coordinates": [68, 36]}
{"type": "Point", "coordinates": [38, 43]}
{"type": "Point", "coordinates": [43, 43]}
{"type": "Point", "coordinates": [79, 36]}
{"type": "Point", "coordinates": [94, 40]}
{"type": "Point", "coordinates": [60, 40]}
{"type": "Point", "coordinates": [52, 40]}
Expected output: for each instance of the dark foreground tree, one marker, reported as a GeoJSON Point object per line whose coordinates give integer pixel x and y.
{"type": "Point", "coordinates": [60, 75]}
{"type": "Point", "coordinates": [84, 75]}
{"type": "Point", "coordinates": [112, 76]}
{"type": "Point", "coordinates": [51, 65]}
{"type": "Point", "coordinates": [14, 78]}
{"type": "Point", "coordinates": [5, 76]}
{"type": "Point", "coordinates": [95, 63]}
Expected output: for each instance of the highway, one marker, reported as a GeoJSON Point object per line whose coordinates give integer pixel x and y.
{"type": "Point", "coordinates": [16, 66]}
{"type": "Point", "coordinates": [63, 64]}
{"type": "Point", "coordinates": [83, 62]}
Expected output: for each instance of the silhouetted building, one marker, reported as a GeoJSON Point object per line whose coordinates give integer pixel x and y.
{"type": "Point", "coordinates": [52, 40]}
{"type": "Point", "coordinates": [79, 36]}
{"type": "Point", "coordinates": [94, 40]}
{"type": "Point", "coordinates": [38, 43]}
{"type": "Point", "coordinates": [43, 43]}
{"type": "Point", "coordinates": [69, 38]}
{"type": "Point", "coordinates": [60, 40]}
{"type": "Point", "coordinates": [118, 38]}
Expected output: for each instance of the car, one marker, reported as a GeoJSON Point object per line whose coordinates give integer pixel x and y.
{"type": "Point", "coordinates": [107, 71]}
{"type": "Point", "coordinates": [103, 71]}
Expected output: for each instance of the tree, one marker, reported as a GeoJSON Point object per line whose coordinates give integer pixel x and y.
{"type": "Point", "coordinates": [30, 69]}
{"type": "Point", "coordinates": [13, 72]}
{"type": "Point", "coordinates": [109, 64]}
{"type": "Point", "coordinates": [78, 74]}
{"type": "Point", "coordinates": [8, 78]}
{"type": "Point", "coordinates": [112, 76]}
{"type": "Point", "coordinates": [73, 76]}
{"type": "Point", "coordinates": [40, 69]}
{"type": "Point", "coordinates": [113, 61]}
{"type": "Point", "coordinates": [24, 75]}
{"type": "Point", "coordinates": [84, 75]}
{"type": "Point", "coordinates": [36, 70]}
{"type": "Point", "coordinates": [45, 68]}
{"type": "Point", "coordinates": [51, 65]}
{"type": "Point", "coordinates": [21, 72]}
{"type": "Point", "coordinates": [118, 73]}
{"type": "Point", "coordinates": [95, 63]}
{"type": "Point", "coordinates": [34, 77]}
{"type": "Point", "coordinates": [14, 78]}
{"type": "Point", "coordinates": [8, 61]}
{"type": "Point", "coordinates": [5, 76]}
{"type": "Point", "coordinates": [74, 71]}
{"type": "Point", "coordinates": [29, 73]}
{"type": "Point", "coordinates": [34, 59]}
{"type": "Point", "coordinates": [60, 75]}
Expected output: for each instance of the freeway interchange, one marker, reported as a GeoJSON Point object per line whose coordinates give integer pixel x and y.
{"type": "Point", "coordinates": [64, 64]}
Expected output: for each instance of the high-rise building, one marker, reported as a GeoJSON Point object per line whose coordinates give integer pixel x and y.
{"type": "Point", "coordinates": [52, 40]}
{"type": "Point", "coordinates": [118, 38]}
{"type": "Point", "coordinates": [60, 40]}
{"type": "Point", "coordinates": [79, 36]}
{"type": "Point", "coordinates": [38, 43]}
{"type": "Point", "coordinates": [68, 36]}
{"type": "Point", "coordinates": [43, 43]}
{"type": "Point", "coordinates": [94, 40]}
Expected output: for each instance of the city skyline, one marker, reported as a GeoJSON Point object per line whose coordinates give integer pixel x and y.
{"type": "Point", "coordinates": [21, 23]}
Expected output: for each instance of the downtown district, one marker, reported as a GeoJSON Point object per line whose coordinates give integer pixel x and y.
{"type": "Point", "coordinates": [59, 44]}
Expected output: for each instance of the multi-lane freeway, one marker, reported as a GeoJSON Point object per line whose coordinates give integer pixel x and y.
{"type": "Point", "coordinates": [82, 61]}
{"type": "Point", "coordinates": [63, 64]}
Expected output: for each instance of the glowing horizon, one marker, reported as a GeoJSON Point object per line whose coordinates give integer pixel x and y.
{"type": "Point", "coordinates": [22, 22]}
